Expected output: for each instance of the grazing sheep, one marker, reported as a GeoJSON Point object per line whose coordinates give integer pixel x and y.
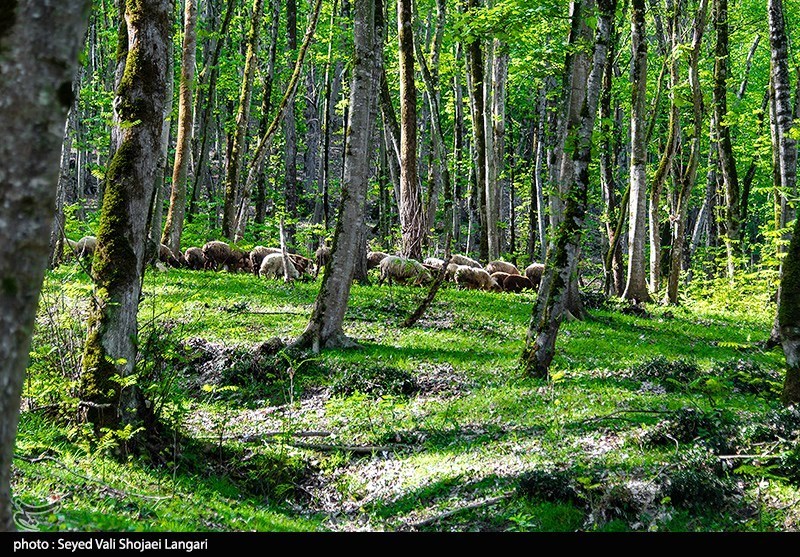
{"type": "Point", "coordinates": [434, 262]}
{"type": "Point", "coordinates": [257, 255]}
{"type": "Point", "coordinates": [194, 259]}
{"type": "Point", "coordinates": [217, 254]}
{"type": "Point", "coordinates": [450, 274]}
{"type": "Point", "coordinates": [304, 265]}
{"type": "Point", "coordinates": [165, 255]}
{"type": "Point", "coordinates": [322, 257]}
{"type": "Point", "coordinates": [374, 258]}
{"type": "Point", "coordinates": [499, 277]}
{"type": "Point", "coordinates": [85, 247]}
{"type": "Point", "coordinates": [503, 267]}
{"type": "Point", "coordinates": [475, 278]}
{"type": "Point", "coordinates": [517, 283]}
{"type": "Point", "coordinates": [403, 271]}
{"type": "Point", "coordinates": [272, 267]}
{"type": "Point", "coordinates": [464, 260]}
{"type": "Point", "coordinates": [239, 260]}
{"type": "Point", "coordinates": [534, 272]}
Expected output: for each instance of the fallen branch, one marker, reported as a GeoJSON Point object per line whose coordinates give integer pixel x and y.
{"type": "Point", "coordinates": [471, 506]}
{"type": "Point", "coordinates": [615, 415]}
{"type": "Point", "coordinates": [250, 437]}
{"type": "Point", "coordinates": [756, 456]}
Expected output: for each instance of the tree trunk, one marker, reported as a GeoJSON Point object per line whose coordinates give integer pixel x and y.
{"type": "Point", "coordinates": [321, 213]}
{"type": "Point", "coordinates": [35, 95]}
{"type": "Point", "coordinates": [118, 266]}
{"type": "Point", "coordinates": [724, 145]}
{"type": "Point", "coordinates": [458, 145]}
{"type": "Point", "coordinates": [173, 229]}
{"type": "Point", "coordinates": [233, 193]}
{"type": "Point", "coordinates": [324, 329]}
{"type": "Point", "coordinates": [412, 218]}
{"type": "Point", "coordinates": [636, 287]}
{"type": "Point", "coordinates": [689, 176]}
{"type": "Point", "coordinates": [496, 127]}
{"type": "Point", "coordinates": [290, 128]}
{"type": "Point", "coordinates": [551, 304]}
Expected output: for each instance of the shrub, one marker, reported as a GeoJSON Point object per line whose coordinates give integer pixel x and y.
{"type": "Point", "coordinates": [673, 375]}
{"type": "Point", "coordinates": [373, 377]}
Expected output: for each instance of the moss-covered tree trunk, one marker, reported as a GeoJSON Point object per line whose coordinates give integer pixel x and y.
{"type": "Point", "coordinates": [233, 175]}
{"type": "Point", "coordinates": [789, 302]}
{"type": "Point", "coordinates": [324, 329]}
{"type": "Point", "coordinates": [38, 58]}
{"type": "Point", "coordinates": [173, 228]}
{"type": "Point", "coordinates": [110, 352]}
{"type": "Point", "coordinates": [562, 261]}
{"type": "Point", "coordinates": [636, 285]}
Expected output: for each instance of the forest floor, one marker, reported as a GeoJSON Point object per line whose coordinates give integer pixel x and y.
{"type": "Point", "coordinates": [664, 421]}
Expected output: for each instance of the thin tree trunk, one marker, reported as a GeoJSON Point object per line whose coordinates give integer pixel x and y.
{"type": "Point", "coordinates": [551, 304]}
{"type": "Point", "coordinates": [636, 286]}
{"type": "Point", "coordinates": [111, 346]}
{"type": "Point", "coordinates": [173, 229]}
{"type": "Point", "coordinates": [496, 124]}
{"type": "Point", "coordinates": [412, 217]}
{"type": "Point", "coordinates": [290, 129]}
{"type": "Point", "coordinates": [324, 329]}
{"type": "Point", "coordinates": [36, 93]}
{"type": "Point", "coordinates": [724, 145]}
{"type": "Point", "coordinates": [233, 190]}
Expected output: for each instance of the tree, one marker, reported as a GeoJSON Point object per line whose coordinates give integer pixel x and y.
{"type": "Point", "coordinates": [111, 347]}
{"type": "Point", "coordinates": [412, 217]}
{"type": "Point", "coordinates": [636, 286]}
{"type": "Point", "coordinates": [173, 229]}
{"type": "Point", "coordinates": [324, 329]}
{"type": "Point", "coordinates": [37, 65]}
{"type": "Point", "coordinates": [789, 303]}
{"type": "Point", "coordinates": [233, 176]}
{"type": "Point", "coordinates": [562, 260]}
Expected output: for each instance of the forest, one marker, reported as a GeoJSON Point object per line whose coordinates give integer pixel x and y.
{"type": "Point", "coordinates": [438, 266]}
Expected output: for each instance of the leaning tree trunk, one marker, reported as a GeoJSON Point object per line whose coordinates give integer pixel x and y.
{"type": "Point", "coordinates": [412, 217]}
{"type": "Point", "coordinates": [789, 303]}
{"type": "Point", "coordinates": [173, 229]}
{"type": "Point", "coordinates": [562, 263]}
{"type": "Point", "coordinates": [37, 66]}
{"type": "Point", "coordinates": [233, 175]}
{"type": "Point", "coordinates": [636, 287]}
{"type": "Point", "coordinates": [324, 329]}
{"type": "Point", "coordinates": [723, 132]}
{"type": "Point", "coordinates": [110, 351]}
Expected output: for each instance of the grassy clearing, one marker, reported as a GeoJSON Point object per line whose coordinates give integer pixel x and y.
{"type": "Point", "coordinates": [432, 428]}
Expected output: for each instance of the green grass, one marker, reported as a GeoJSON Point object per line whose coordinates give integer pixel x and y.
{"type": "Point", "coordinates": [458, 445]}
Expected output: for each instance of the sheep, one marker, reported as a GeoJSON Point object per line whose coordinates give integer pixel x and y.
{"type": "Point", "coordinates": [503, 267]}
{"type": "Point", "coordinates": [534, 272]}
{"type": "Point", "coordinates": [272, 267]}
{"type": "Point", "coordinates": [499, 277]}
{"type": "Point", "coordinates": [464, 260]}
{"type": "Point", "coordinates": [403, 270]}
{"type": "Point", "coordinates": [165, 255]}
{"type": "Point", "coordinates": [374, 258]}
{"type": "Point", "coordinates": [517, 283]}
{"type": "Point", "coordinates": [322, 257]}
{"type": "Point", "coordinates": [434, 262]}
{"type": "Point", "coordinates": [475, 278]}
{"type": "Point", "coordinates": [304, 265]}
{"type": "Point", "coordinates": [85, 247]}
{"type": "Point", "coordinates": [194, 259]}
{"type": "Point", "coordinates": [217, 254]}
{"type": "Point", "coordinates": [450, 274]}
{"type": "Point", "coordinates": [257, 255]}
{"type": "Point", "coordinates": [239, 260]}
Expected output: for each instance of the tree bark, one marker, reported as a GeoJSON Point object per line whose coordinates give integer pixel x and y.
{"type": "Point", "coordinates": [37, 67]}
{"type": "Point", "coordinates": [324, 329]}
{"type": "Point", "coordinates": [412, 217]}
{"type": "Point", "coordinates": [290, 129]}
{"type": "Point", "coordinates": [636, 286]}
{"type": "Point", "coordinates": [233, 190]}
{"type": "Point", "coordinates": [551, 304]}
{"type": "Point", "coordinates": [173, 228]}
{"type": "Point", "coordinates": [118, 265]}
{"type": "Point", "coordinates": [724, 145]}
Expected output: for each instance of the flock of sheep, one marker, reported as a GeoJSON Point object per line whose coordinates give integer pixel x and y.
{"type": "Point", "coordinates": [497, 276]}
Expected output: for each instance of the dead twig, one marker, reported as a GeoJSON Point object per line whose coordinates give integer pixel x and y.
{"type": "Point", "coordinates": [471, 506]}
